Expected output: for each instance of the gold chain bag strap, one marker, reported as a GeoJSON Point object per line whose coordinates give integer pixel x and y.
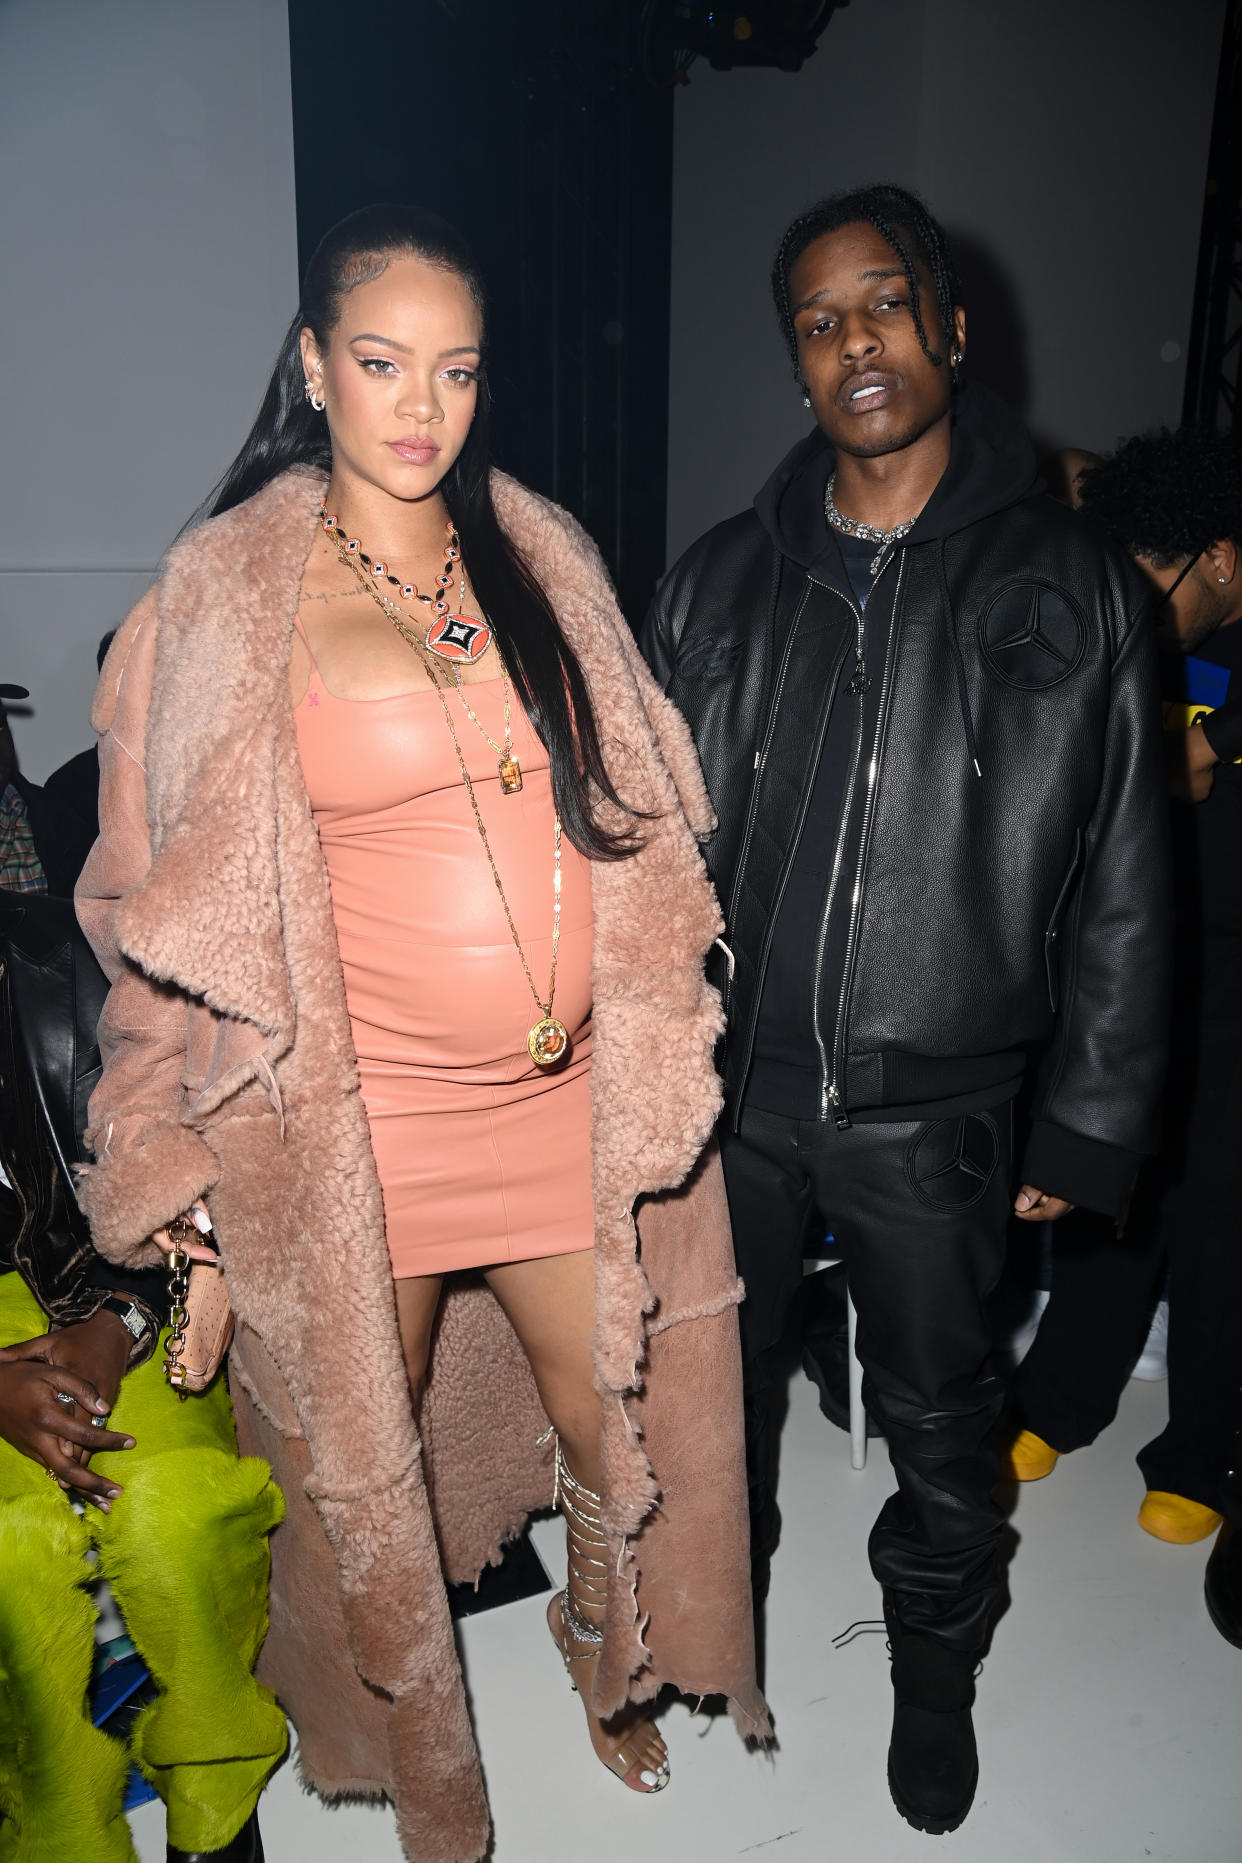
{"type": "Point", "coordinates": [201, 1321]}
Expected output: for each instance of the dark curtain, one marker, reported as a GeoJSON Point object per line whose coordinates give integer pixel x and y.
{"type": "Point", "coordinates": [534, 129]}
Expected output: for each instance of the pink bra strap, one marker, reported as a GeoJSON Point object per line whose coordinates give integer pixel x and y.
{"type": "Point", "coordinates": [297, 622]}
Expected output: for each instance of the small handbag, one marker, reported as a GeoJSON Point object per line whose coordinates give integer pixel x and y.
{"type": "Point", "coordinates": [201, 1321]}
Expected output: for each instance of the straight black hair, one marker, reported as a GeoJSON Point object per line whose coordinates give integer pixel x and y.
{"type": "Point", "coordinates": [288, 432]}
{"type": "Point", "coordinates": [899, 217]}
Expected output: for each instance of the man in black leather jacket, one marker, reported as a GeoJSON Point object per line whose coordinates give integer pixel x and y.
{"type": "Point", "coordinates": [926, 706]}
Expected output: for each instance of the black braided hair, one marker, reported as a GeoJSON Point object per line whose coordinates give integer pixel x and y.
{"type": "Point", "coordinates": [1166, 496]}
{"type": "Point", "coordinates": [900, 218]}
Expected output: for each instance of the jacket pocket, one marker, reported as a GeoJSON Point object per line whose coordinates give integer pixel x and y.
{"type": "Point", "coordinates": [1054, 923]}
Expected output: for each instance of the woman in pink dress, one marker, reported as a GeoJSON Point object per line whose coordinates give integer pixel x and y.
{"type": "Point", "coordinates": [472, 814]}
{"type": "Point", "coordinates": [459, 864]}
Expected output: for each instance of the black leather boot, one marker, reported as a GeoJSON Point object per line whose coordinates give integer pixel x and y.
{"type": "Point", "coordinates": [1222, 1583]}
{"type": "Point", "coordinates": [246, 1847]}
{"type": "Point", "coordinates": [933, 1765]}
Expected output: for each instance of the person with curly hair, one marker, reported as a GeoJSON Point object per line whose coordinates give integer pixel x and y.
{"type": "Point", "coordinates": [1173, 500]}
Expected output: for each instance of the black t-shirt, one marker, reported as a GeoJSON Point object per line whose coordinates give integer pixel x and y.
{"type": "Point", "coordinates": [858, 558]}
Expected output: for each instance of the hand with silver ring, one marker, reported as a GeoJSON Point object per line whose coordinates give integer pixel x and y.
{"type": "Point", "coordinates": [54, 1413]}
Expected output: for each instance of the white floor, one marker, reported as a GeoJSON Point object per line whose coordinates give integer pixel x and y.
{"type": "Point", "coordinates": [1109, 1717]}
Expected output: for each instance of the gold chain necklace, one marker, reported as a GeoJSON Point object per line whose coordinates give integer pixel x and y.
{"type": "Point", "coordinates": [508, 766]}
{"type": "Point", "coordinates": [547, 1042]}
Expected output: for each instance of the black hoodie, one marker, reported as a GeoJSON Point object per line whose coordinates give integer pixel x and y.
{"type": "Point", "coordinates": [991, 467]}
{"type": "Point", "coordinates": [992, 803]}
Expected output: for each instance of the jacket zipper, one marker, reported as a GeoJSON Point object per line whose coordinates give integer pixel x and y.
{"type": "Point", "coordinates": [799, 825]}
{"type": "Point", "coordinates": [833, 1093]}
{"type": "Point", "coordinates": [838, 858]}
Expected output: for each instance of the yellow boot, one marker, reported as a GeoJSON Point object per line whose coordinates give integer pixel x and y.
{"type": "Point", "coordinates": [1173, 1518]}
{"type": "Point", "coordinates": [1028, 1458]}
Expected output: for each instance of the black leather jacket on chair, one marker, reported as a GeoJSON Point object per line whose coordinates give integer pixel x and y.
{"type": "Point", "coordinates": [51, 994]}
{"type": "Point", "coordinates": [1007, 895]}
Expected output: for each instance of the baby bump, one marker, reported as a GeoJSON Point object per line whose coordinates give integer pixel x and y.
{"type": "Point", "coordinates": [433, 976]}
{"type": "Point", "coordinates": [468, 1008]}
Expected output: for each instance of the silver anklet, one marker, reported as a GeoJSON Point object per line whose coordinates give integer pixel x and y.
{"type": "Point", "coordinates": [578, 1627]}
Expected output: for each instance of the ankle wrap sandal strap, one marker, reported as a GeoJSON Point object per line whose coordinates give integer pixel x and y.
{"type": "Point", "coordinates": [587, 1590]}
{"type": "Point", "coordinates": [582, 1609]}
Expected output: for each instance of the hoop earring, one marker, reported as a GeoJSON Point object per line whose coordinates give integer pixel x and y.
{"type": "Point", "coordinates": [316, 401]}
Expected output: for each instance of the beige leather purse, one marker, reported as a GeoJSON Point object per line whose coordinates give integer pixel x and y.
{"type": "Point", "coordinates": [201, 1322]}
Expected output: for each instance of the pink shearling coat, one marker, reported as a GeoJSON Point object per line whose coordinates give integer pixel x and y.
{"type": "Point", "coordinates": [230, 1073]}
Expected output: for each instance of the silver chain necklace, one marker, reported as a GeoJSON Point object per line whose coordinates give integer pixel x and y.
{"type": "Point", "coordinates": [865, 533]}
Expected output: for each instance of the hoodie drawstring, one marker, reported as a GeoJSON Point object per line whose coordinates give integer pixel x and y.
{"type": "Point", "coordinates": [963, 697]}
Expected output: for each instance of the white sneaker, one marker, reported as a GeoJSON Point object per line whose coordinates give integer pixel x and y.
{"type": "Point", "coordinates": [1153, 1361]}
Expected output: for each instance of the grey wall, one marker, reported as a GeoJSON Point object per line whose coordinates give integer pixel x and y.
{"type": "Point", "coordinates": [150, 268]}
{"type": "Point", "coordinates": [1064, 144]}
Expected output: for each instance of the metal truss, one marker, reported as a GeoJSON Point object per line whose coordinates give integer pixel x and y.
{"type": "Point", "coordinates": [1214, 370]}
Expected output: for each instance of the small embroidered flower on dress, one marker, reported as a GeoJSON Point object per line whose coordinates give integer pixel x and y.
{"type": "Point", "coordinates": [312, 698]}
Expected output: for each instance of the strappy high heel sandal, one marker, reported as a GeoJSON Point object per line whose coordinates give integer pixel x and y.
{"type": "Point", "coordinates": [576, 1618]}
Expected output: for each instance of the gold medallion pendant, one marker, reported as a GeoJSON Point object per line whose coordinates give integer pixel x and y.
{"type": "Point", "coordinates": [548, 1042]}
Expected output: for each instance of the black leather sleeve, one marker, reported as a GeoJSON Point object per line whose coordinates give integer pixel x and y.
{"type": "Point", "coordinates": [655, 636]}
{"type": "Point", "coordinates": [1100, 1086]}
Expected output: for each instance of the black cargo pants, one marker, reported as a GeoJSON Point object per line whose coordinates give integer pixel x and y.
{"type": "Point", "coordinates": [918, 1211]}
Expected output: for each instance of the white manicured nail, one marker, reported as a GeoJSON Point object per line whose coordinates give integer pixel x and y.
{"type": "Point", "coordinates": [648, 1777]}
{"type": "Point", "coordinates": [201, 1221]}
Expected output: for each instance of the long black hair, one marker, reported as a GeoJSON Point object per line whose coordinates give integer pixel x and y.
{"type": "Point", "coordinates": [899, 217]}
{"type": "Point", "coordinates": [288, 432]}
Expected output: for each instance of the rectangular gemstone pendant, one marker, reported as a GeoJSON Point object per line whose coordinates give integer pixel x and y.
{"type": "Point", "coordinates": [510, 775]}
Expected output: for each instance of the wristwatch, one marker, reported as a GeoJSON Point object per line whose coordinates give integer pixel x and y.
{"type": "Point", "coordinates": [132, 1318]}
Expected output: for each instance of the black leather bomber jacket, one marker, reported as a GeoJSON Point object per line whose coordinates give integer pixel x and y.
{"type": "Point", "coordinates": [1010, 892]}
{"type": "Point", "coordinates": [51, 994]}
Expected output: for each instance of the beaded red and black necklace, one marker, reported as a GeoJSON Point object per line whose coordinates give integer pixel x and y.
{"type": "Point", "coordinates": [458, 637]}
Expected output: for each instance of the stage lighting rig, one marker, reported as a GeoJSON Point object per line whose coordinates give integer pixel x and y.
{"type": "Point", "coordinates": [783, 33]}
